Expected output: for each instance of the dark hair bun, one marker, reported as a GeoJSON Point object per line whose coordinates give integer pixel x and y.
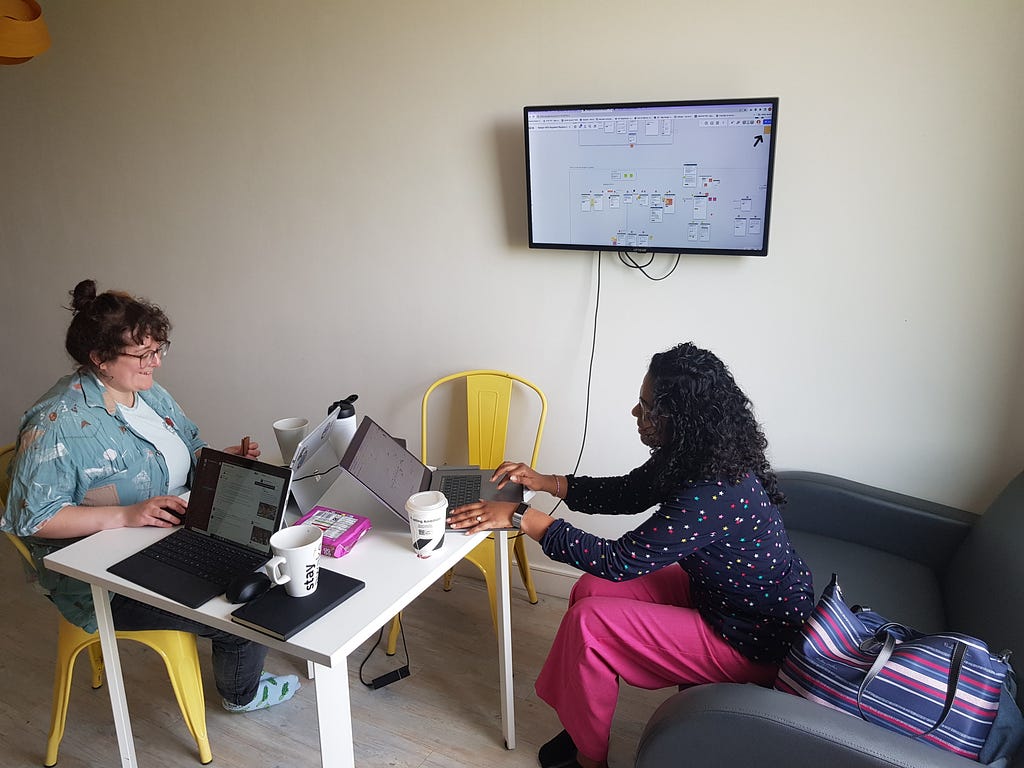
{"type": "Point", "coordinates": [83, 295]}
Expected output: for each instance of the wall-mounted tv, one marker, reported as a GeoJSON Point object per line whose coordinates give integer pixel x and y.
{"type": "Point", "coordinates": [659, 177]}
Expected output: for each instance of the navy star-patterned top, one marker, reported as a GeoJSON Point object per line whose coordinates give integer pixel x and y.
{"type": "Point", "coordinates": [745, 577]}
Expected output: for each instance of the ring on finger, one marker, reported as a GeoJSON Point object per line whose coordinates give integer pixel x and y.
{"type": "Point", "coordinates": [479, 518]}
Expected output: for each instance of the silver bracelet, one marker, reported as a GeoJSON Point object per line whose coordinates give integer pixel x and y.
{"type": "Point", "coordinates": [558, 487]}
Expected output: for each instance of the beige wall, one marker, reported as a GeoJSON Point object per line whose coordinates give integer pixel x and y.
{"type": "Point", "coordinates": [298, 184]}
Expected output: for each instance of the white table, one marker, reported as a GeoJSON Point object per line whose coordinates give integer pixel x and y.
{"type": "Point", "coordinates": [383, 559]}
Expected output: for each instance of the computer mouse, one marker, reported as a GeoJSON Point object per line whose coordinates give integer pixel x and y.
{"type": "Point", "coordinates": [247, 587]}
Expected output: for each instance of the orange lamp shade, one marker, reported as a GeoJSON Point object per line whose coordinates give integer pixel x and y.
{"type": "Point", "coordinates": [23, 33]}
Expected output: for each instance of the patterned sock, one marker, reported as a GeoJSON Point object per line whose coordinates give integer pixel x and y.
{"type": "Point", "coordinates": [273, 689]}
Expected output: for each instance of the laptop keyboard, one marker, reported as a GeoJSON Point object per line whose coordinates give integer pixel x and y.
{"type": "Point", "coordinates": [204, 557]}
{"type": "Point", "coordinates": [460, 489]}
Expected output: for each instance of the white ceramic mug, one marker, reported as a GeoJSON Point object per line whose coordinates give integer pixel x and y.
{"type": "Point", "coordinates": [427, 511]}
{"type": "Point", "coordinates": [296, 560]}
{"type": "Point", "coordinates": [289, 434]}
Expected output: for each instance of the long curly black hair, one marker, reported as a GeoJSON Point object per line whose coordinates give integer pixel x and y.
{"type": "Point", "coordinates": [708, 429]}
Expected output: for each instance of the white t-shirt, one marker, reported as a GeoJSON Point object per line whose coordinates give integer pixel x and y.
{"type": "Point", "coordinates": [151, 426]}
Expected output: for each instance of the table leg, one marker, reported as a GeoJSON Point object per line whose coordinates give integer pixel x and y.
{"type": "Point", "coordinates": [115, 681]}
{"type": "Point", "coordinates": [508, 713]}
{"type": "Point", "coordinates": [334, 715]}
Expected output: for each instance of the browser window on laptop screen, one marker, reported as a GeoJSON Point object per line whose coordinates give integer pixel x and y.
{"type": "Point", "coordinates": [244, 507]}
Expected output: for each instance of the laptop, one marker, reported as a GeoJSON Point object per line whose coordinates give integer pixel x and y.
{"type": "Point", "coordinates": [392, 474]}
{"type": "Point", "coordinates": [236, 504]}
{"type": "Point", "coordinates": [315, 465]}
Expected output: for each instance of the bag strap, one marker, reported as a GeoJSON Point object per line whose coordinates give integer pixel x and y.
{"type": "Point", "coordinates": [883, 656]}
{"type": "Point", "coordinates": [956, 664]}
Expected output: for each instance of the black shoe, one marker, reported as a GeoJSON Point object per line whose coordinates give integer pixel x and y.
{"type": "Point", "coordinates": [560, 752]}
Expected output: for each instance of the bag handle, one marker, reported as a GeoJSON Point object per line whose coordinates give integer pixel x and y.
{"type": "Point", "coordinates": [956, 664]}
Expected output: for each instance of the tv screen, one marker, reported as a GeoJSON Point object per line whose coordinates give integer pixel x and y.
{"type": "Point", "coordinates": [660, 177]}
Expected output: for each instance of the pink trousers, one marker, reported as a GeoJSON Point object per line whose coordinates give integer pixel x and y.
{"type": "Point", "coordinates": [643, 632]}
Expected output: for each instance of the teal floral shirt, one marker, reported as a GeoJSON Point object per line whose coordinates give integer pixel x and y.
{"type": "Point", "coordinates": [75, 448]}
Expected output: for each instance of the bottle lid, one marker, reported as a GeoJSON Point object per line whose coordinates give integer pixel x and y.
{"type": "Point", "coordinates": [345, 407]}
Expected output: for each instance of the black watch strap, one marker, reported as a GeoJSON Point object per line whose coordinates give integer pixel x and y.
{"type": "Point", "coordinates": [517, 516]}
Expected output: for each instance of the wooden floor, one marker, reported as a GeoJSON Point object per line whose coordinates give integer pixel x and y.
{"type": "Point", "coordinates": [445, 715]}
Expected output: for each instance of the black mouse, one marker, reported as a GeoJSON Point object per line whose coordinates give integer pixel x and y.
{"type": "Point", "coordinates": [247, 587]}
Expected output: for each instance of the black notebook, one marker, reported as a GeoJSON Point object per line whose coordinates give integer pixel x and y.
{"type": "Point", "coordinates": [278, 614]}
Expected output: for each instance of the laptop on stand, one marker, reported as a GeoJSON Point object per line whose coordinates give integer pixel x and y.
{"type": "Point", "coordinates": [235, 505]}
{"type": "Point", "coordinates": [392, 474]}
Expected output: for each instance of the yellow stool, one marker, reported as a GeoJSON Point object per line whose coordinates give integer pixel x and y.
{"type": "Point", "coordinates": [178, 651]}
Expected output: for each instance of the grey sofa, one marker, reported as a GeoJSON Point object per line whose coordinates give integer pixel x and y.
{"type": "Point", "coordinates": [929, 566]}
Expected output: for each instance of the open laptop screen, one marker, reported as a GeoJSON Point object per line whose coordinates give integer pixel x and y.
{"type": "Point", "coordinates": [380, 463]}
{"type": "Point", "coordinates": [237, 499]}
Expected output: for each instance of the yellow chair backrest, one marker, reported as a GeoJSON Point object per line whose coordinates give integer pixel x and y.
{"type": "Point", "coordinates": [6, 456]}
{"type": "Point", "coordinates": [488, 402]}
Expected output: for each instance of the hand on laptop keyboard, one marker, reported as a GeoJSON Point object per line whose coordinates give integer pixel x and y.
{"type": "Point", "coordinates": [482, 516]}
{"type": "Point", "coordinates": [526, 476]}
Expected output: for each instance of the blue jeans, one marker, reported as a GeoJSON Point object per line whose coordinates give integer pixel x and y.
{"type": "Point", "coordinates": [237, 663]}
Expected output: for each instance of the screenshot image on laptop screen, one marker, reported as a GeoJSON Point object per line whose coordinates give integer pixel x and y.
{"type": "Point", "coordinates": [246, 502]}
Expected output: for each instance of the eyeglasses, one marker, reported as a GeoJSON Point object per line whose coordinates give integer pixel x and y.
{"type": "Point", "coordinates": [147, 359]}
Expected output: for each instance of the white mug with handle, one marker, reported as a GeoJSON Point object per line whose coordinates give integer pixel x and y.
{"type": "Point", "coordinates": [296, 560]}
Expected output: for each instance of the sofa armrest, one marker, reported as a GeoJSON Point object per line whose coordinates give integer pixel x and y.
{"type": "Point", "coordinates": [728, 724]}
{"type": "Point", "coordinates": [916, 529]}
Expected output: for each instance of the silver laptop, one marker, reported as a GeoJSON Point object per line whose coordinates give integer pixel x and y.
{"type": "Point", "coordinates": [236, 504]}
{"type": "Point", "coordinates": [315, 465]}
{"type": "Point", "coordinates": [392, 474]}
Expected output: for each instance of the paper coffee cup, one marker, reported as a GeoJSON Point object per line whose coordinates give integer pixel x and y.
{"type": "Point", "coordinates": [427, 511]}
{"type": "Point", "coordinates": [289, 434]}
{"type": "Point", "coordinates": [296, 560]}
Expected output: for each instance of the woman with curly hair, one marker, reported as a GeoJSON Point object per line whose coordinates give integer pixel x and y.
{"type": "Point", "coordinates": [108, 447]}
{"type": "Point", "coordinates": [707, 589]}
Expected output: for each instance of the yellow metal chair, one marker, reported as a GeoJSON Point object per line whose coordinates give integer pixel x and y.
{"type": "Point", "coordinates": [488, 404]}
{"type": "Point", "coordinates": [177, 649]}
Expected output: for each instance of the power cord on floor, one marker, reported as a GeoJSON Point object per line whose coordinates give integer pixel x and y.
{"type": "Point", "coordinates": [389, 677]}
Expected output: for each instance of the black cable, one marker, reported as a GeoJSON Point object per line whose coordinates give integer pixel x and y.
{"type": "Point", "coordinates": [590, 377]}
{"type": "Point", "coordinates": [388, 677]}
{"type": "Point", "coordinates": [630, 262]}
{"type": "Point", "coordinates": [318, 473]}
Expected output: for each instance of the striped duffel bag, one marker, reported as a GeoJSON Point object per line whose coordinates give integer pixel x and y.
{"type": "Point", "coordinates": [942, 689]}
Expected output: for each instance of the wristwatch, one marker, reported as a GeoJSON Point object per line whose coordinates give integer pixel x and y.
{"type": "Point", "coordinates": [517, 516]}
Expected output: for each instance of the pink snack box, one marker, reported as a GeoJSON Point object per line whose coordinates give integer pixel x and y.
{"type": "Point", "coordinates": [341, 529]}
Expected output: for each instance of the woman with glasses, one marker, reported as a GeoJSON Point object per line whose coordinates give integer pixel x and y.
{"type": "Point", "coordinates": [108, 447]}
{"type": "Point", "coordinates": [706, 589]}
